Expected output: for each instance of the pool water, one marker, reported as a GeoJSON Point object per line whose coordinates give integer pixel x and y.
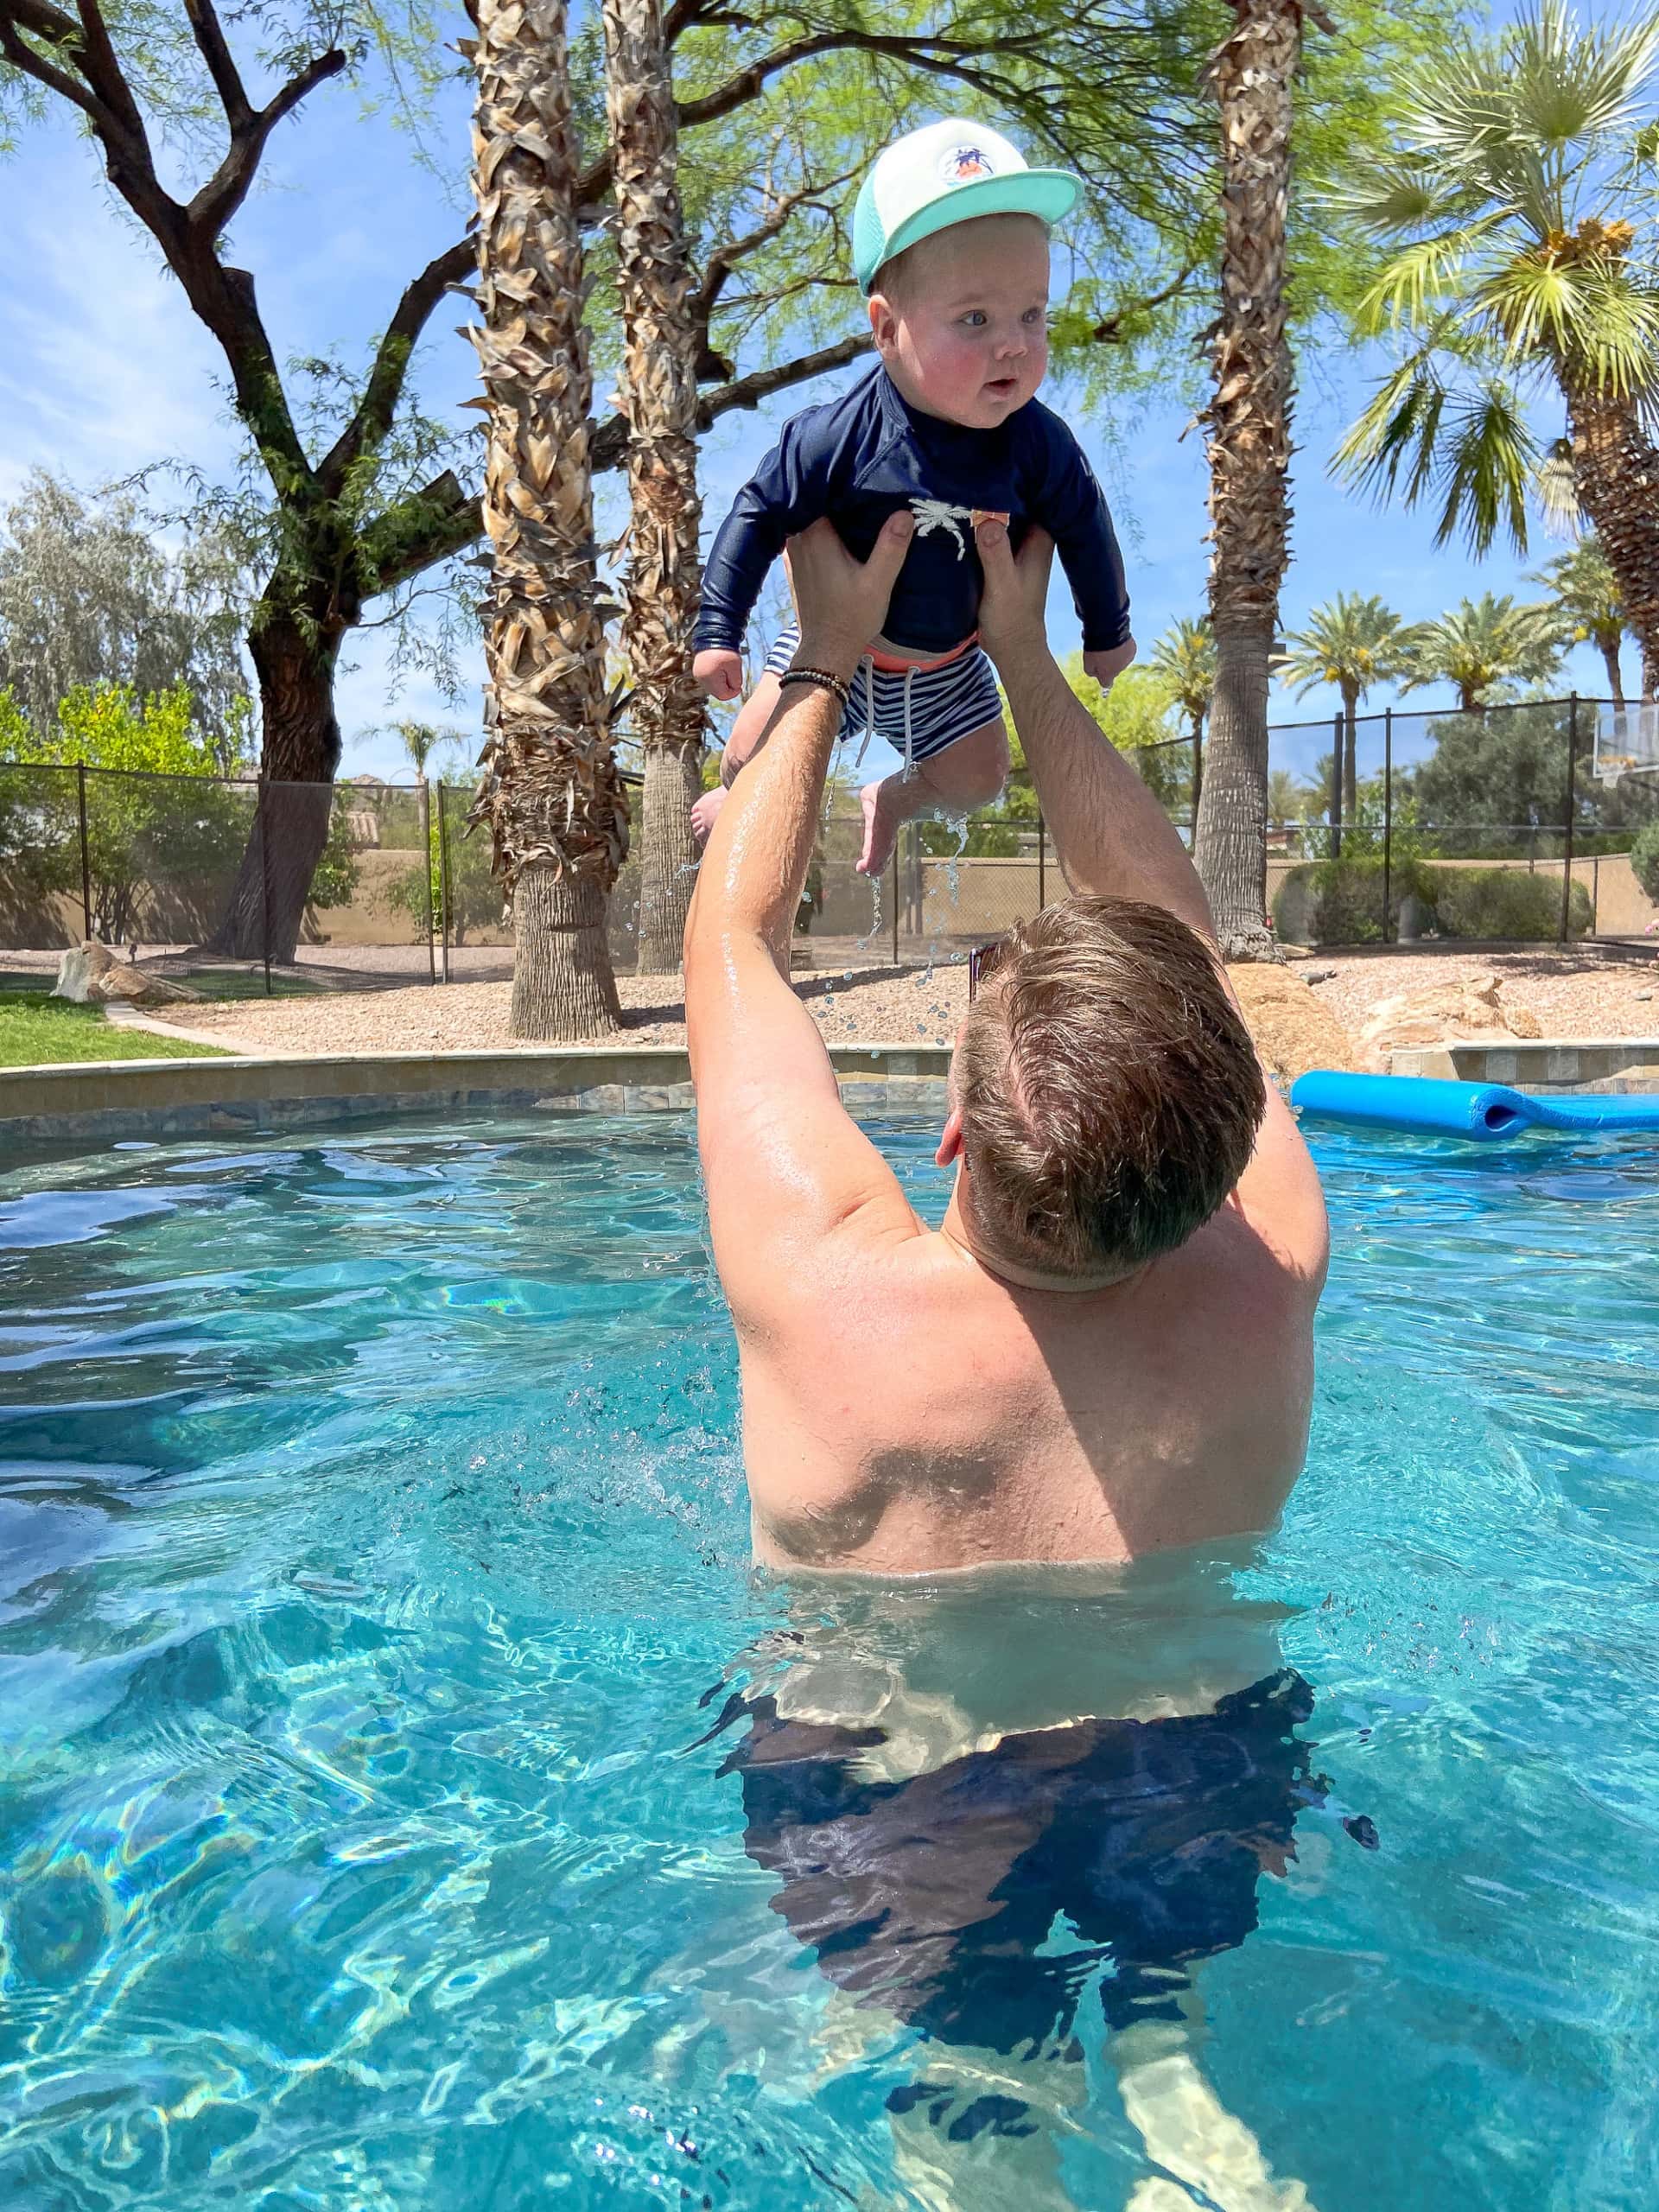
{"type": "Point", "coordinates": [374, 1569]}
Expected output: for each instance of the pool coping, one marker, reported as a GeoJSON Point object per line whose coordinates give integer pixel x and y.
{"type": "Point", "coordinates": [91, 1101]}
{"type": "Point", "coordinates": [1542, 1064]}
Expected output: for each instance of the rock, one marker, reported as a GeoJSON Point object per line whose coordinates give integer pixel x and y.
{"type": "Point", "coordinates": [1294, 1030]}
{"type": "Point", "coordinates": [91, 975]}
{"type": "Point", "coordinates": [1439, 1014]}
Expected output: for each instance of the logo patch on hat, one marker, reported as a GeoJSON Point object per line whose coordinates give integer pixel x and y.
{"type": "Point", "coordinates": [962, 164]}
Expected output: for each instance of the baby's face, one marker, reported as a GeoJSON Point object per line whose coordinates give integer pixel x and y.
{"type": "Point", "coordinates": [966, 336]}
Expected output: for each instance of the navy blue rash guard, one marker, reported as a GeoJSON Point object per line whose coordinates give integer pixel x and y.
{"type": "Point", "coordinates": [868, 455]}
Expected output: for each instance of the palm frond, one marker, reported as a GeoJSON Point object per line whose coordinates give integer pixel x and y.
{"type": "Point", "coordinates": [1397, 197]}
{"type": "Point", "coordinates": [1491, 456]}
{"type": "Point", "coordinates": [1569, 81]}
{"type": "Point", "coordinates": [1397, 431]}
{"type": "Point", "coordinates": [1428, 270]}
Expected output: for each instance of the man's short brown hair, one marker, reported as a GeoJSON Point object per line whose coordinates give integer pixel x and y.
{"type": "Point", "coordinates": [1110, 1092]}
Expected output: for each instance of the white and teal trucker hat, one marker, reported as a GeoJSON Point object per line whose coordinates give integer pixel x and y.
{"type": "Point", "coordinates": [948, 173]}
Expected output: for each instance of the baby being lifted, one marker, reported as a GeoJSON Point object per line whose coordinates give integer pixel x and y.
{"type": "Point", "coordinates": [950, 246]}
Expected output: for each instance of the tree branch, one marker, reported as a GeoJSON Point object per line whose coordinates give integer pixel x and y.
{"type": "Point", "coordinates": [228, 186]}
{"type": "Point", "coordinates": [724, 259]}
{"type": "Point", "coordinates": [941, 57]}
{"type": "Point", "coordinates": [455, 519]}
{"type": "Point", "coordinates": [206, 30]}
{"type": "Point", "coordinates": [103, 72]}
{"type": "Point", "coordinates": [1109, 331]}
{"type": "Point", "coordinates": [374, 412]}
{"type": "Point", "coordinates": [28, 63]}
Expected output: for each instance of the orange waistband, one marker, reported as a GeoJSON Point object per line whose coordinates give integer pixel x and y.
{"type": "Point", "coordinates": [891, 664]}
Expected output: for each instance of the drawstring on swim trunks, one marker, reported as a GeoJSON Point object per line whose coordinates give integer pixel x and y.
{"type": "Point", "coordinates": [868, 666]}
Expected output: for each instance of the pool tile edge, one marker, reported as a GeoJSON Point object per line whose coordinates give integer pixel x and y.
{"type": "Point", "coordinates": [105, 1101]}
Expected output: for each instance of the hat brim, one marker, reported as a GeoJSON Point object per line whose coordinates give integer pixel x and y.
{"type": "Point", "coordinates": [1049, 194]}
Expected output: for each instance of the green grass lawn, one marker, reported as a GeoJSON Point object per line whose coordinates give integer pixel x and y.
{"type": "Point", "coordinates": [35, 1027]}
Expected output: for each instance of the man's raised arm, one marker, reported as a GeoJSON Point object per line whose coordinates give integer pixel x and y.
{"type": "Point", "coordinates": [1113, 838]}
{"type": "Point", "coordinates": [783, 1163]}
{"type": "Point", "coordinates": [1115, 841]}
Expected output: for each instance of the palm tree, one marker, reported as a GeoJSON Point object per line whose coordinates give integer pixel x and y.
{"type": "Point", "coordinates": [1251, 76]}
{"type": "Point", "coordinates": [1525, 261]}
{"type": "Point", "coordinates": [658, 395]}
{"type": "Point", "coordinates": [1482, 643]}
{"type": "Point", "coordinates": [1587, 592]}
{"type": "Point", "coordinates": [420, 740]}
{"type": "Point", "coordinates": [1185, 659]}
{"type": "Point", "coordinates": [551, 795]}
{"type": "Point", "coordinates": [1352, 643]}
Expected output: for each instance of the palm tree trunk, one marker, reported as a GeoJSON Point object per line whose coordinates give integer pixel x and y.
{"type": "Point", "coordinates": [1615, 672]}
{"type": "Point", "coordinates": [1198, 766]}
{"type": "Point", "coordinates": [551, 795]}
{"type": "Point", "coordinates": [1250, 75]}
{"type": "Point", "coordinates": [1349, 756]}
{"type": "Point", "coordinates": [658, 392]}
{"type": "Point", "coordinates": [1615, 472]}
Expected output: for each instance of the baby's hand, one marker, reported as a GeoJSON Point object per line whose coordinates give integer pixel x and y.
{"type": "Point", "coordinates": [1106, 667]}
{"type": "Point", "coordinates": [719, 671]}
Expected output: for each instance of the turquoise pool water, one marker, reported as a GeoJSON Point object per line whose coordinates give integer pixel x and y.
{"type": "Point", "coordinates": [373, 1571]}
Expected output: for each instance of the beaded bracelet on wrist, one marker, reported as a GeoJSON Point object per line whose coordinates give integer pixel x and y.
{"type": "Point", "coordinates": [824, 678]}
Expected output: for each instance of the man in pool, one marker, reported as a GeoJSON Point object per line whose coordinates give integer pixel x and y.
{"type": "Point", "coordinates": [1103, 1355]}
{"type": "Point", "coordinates": [1106, 1348]}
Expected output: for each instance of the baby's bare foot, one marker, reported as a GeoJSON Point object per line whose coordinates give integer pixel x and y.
{"type": "Point", "coordinates": [882, 820]}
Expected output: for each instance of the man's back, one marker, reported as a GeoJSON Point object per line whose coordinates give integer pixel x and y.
{"type": "Point", "coordinates": [907, 1410]}
{"type": "Point", "coordinates": [1106, 1350]}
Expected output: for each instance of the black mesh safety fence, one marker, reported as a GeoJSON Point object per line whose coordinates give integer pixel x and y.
{"type": "Point", "coordinates": [1532, 822]}
{"type": "Point", "coordinates": [1495, 825]}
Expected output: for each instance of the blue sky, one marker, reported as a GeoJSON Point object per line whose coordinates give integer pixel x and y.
{"type": "Point", "coordinates": [105, 370]}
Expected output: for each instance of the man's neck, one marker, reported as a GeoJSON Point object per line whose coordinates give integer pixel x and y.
{"type": "Point", "coordinates": [955, 1231]}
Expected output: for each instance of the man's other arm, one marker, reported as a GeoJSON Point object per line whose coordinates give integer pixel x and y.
{"type": "Point", "coordinates": [783, 1164]}
{"type": "Point", "coordinates": [1115, 841]}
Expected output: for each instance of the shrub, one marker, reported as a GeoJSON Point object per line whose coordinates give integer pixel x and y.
{"type": "Point", "coordinates": [1644, 859]}
{"type": "Point", "coordinates": [1340, 902]}
{"type": "Point", "coordinates": [1505, 903]}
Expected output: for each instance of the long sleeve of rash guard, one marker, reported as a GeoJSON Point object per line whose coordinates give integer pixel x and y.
{"type": "Point", "coordinates": [784, 495]}
{"type": "Point", "coordinates": [1072, 508]}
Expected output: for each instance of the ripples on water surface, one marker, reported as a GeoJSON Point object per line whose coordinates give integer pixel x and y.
{"type": "Point", "coordinates": [371, 1529]}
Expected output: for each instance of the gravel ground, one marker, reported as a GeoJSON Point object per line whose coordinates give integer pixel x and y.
{"type": "Point", "coordinates": [1573, 995]}
{"type": "Point", "coordinates": [863, 1005]}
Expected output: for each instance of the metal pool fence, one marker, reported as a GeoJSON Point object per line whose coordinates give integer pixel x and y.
{"type": "Point", "coordinates": [1487, 826]}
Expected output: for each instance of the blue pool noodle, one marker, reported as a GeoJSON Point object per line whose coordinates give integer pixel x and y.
{"type": "Point", "coordinates": [1427, 1107]}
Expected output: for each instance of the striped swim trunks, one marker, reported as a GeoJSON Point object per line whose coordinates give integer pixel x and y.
{"type": "Point", "coordinates": [918, 710]}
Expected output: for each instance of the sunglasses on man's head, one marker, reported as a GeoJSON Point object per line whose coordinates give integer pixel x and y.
{"type": "Point", "coordinates": [982, 963]}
